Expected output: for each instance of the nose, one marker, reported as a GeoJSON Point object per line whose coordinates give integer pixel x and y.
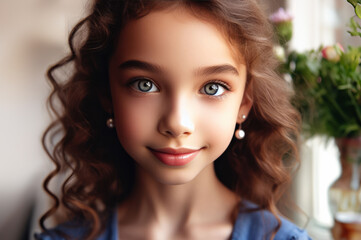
{"type": "Point", "coordinates": [176, 120]}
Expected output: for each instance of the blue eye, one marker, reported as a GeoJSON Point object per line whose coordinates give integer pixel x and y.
{"type": "Point", "coordinates": [144, 85]}
{"type": "Point", "coordinates": [213, 89]}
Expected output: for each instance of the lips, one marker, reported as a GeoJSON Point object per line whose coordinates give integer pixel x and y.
{"type": "Point", "coordinates": [175, 157]}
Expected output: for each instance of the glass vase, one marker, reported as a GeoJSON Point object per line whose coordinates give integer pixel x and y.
{"type": "Point", "coordinates": [345, 192]}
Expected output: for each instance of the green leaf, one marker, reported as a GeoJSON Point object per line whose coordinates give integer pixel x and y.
{"type": "Point", "coordinates": [353, 2]}
{"type": "Point", "coordinates": [351, 127]}
{"type": "Point", "coordinates": [354, 34]}
{"type": "Point", "coordinates": [346, 86]}
{"type": "Point", "coordinates": [353, 24]}
{"type": "Point", "coordinates": [357, 5]}
{"type": "Point", "coordinates": [358, 10]}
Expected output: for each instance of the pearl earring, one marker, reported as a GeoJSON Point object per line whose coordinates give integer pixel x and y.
{"type": "Point", "coordinates": [240, 134]}
{"type": "Point", "coordinates": [110, 123]}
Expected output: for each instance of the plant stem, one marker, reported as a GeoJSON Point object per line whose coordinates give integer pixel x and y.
{"type": "Point", "coordinates": [338, 109]}
{"type": "Point", "coordinates": [357, 107]}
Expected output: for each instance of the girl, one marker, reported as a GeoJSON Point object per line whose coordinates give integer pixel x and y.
{"type": "Point", "coordinates": [175, 124]}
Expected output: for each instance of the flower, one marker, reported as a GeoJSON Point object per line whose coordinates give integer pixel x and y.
{"type": "Point", "coordinates": [280, 53]}
{"type": "Point", "coordinates": [280, 16]}
{"type": "Point", "coordinates": [282, 22]}
{"type": "Point", "coordinates": [332, 53]}
{"type": "Point", "coordinates": [327, 84]}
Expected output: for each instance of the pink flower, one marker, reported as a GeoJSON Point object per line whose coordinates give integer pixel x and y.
{"type": "Point", "coordinates": [332, 53]}
{"type": "Point", "coordinates": [280, 16]}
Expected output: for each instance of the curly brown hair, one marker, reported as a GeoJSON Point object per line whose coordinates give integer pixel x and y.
{"type": "Point", "coordinates": [256, 168]}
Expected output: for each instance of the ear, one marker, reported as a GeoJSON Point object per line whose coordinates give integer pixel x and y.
{"type": "Point", "coordinates": [245, 108]}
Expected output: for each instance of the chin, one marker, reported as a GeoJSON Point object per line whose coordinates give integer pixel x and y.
{"type": "Point", "coordinates": [167, 175]}
{"type": "Point", "coordinates": [176, 177]}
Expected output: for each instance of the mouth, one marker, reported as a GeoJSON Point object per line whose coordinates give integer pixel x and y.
{"type": "Point", "coordinates": [175, 157]}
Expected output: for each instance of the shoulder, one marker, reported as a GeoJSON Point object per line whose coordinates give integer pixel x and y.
{"type": "Point", "coordinates": [77, 230]}
{"type": "Point", "coordinates": [72, 229]}
{"type": "Point", "coordinates": [259, 224]}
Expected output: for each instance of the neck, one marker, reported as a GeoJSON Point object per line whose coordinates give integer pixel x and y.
{"type": "Point", "coordinates": [175, 205]}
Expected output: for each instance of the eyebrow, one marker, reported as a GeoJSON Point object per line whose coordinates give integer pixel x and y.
{"type": "Point", "coordinates": [202, 71]}
{"type": "Point", "coordinates": [218, 69]}
{"type": "Point", "coordinates": [136, 64]}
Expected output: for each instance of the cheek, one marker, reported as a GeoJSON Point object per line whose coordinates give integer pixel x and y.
{"type": "Point", "coordinates": [220, 130]}
{"type": "Point", "coordinates": [133, 121]}
{"type": "Point", "coordinates": [218, 126]}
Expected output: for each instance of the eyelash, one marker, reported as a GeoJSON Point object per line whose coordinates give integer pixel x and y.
{"type": "Point", "coordinates": [137, 80]}
{"type": "Point", "coordinates": [218, 82]}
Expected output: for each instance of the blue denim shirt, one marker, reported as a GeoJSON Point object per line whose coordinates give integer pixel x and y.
{"type": "Point", "coordinates": [250, 225]}
{"type": "Point", "coordinates": [260, 224]}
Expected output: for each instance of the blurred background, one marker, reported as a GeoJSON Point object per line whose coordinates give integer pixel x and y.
{"type": "Point", "coordinates": [33, 35]}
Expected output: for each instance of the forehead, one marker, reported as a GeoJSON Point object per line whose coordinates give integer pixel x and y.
{"type": "Point", "coordinates": [177, 30]}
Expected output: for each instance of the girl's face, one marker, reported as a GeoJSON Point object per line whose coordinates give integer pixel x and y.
{"type": "Point", "coordinates": [176, 90]}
